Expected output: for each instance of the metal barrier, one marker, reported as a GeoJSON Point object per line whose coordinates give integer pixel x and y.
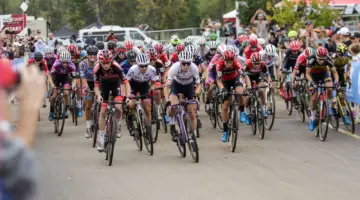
{"type": "Point", "coordinates": [163, 35]}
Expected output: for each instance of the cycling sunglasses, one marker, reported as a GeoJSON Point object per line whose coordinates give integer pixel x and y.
{"type": "Point", "coordinates": [106, 63]}
{"type": "Point", "coordinates": [213, 49]}
{"type": "Point", "coordinates": [186, 63]}
{"type": "Point", "coordinates": [143, 66]}
{"type": "Point", "coordinates": [91, 54]}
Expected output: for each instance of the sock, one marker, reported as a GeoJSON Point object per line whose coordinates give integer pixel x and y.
{"type": "Point", "coordinates": [101, 136]}
{"type": "Point", "coordinates": [78, 103]}
{"type": "Point", "coordinates": [264, 108]}
{"type": "Point", "coordinates": [312, 117]}
{"type": "Point", "coordinates": [88, 124]}
{"type": "Point", "coordinates": [247, 110]}
{"type": "Point", "coordinates": [172, 120]}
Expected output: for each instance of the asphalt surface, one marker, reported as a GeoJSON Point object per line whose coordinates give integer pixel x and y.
{"type": "Point", "coordinates": [289, 164]}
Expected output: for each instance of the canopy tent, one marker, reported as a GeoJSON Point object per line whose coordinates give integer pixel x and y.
{"type": "Point", "coordinates": [64, 32]}
{"type": "Point", "coordinates": [230, 16]}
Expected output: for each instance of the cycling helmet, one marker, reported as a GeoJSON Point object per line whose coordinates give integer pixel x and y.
{"type": "Point", "coordinates": [270, 50]}
{"type": "Point", "coordinates": [261, 41]}
{"type": "Point", "coordinates": [309, 51]}
{"type": "Point", "coordinates": [321, 52]}
{"type": "Point", "coordinates": [61, 49]}
{"type": "Point", "coordinates": [111, 45]}
{"type": "Point", "coordinates": [152, 54]}
{"type": "Point", "coordinates": [252, 35]}
{"type": "Point", "coordinates": [191, 49]}
{"type": "Point", "coordinates": [139, 43]}
{"type": "Point", "coordinates": [256, 57]}
{"type": "Point", "coordinates": [148, 41]}
{"type": "Point", "coordinates": [105, 56]}
{"type": "Point", "coordinates": [341, 48]}
{"type": "Point", "coordinates": [202, 41]}
{"type": "Point", "coordinates": [159, 48]}
{"type": "Point", "coordinates": [206, 35]}
{"type": "Point", "coordinates": [129, 45]}
{"type": "Point", "coordinates": [213, 36]}
{"type": "Point", "coordinates": [292, 34]}
{"type": "Point", "coordinates": [221, 49]}
{"type": "Point", "coordinates": [174, 40]}
{"type": "Point", "coordinates": [180, 48]}
{"type": "Point", "coordinates": [65, 56]}
{"type": "Point", "coordinates": [38, 56]}
{"type": "Point", "coordinates": [245, 43]}
{"type": "Point", "coordinates": [131, 55]}
{"type": "Point", "coordinates": [253, 42]}
{"type": "Point", "coordinates": [92, 50]}
{"type": "Point", "coordinates": [148, 46]}
{"type": "Point", "coordinates": [83, 54]}
{"type": "Point", "coordinates": [120, 48]}
{"type": "Point", "coordinates": [212, 44]}
{"type": "Point", "coordinates": [187, 41]}
{"type": "Point", "coordinates": [80, 46]}
{"type": "Point", "coordinates": [142, 59]}
{"type": "Point", "coordinates": [242, 38]}
{"type": "Point", "coordinates": [72, 49]}
{"type": "Point", "coordinates": [295, 45]}
{"type": "Point", "coordinates": [49, 49]}
{"type": "Point", "coordinates": [185, 56]}
{"type": "Point", "coordinates": [229, 55]}
{"type": "Point", "coordinates": [100, 45]}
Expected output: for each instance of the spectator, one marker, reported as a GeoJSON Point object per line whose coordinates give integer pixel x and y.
{"type": "Point", "coordinates": [261, 24]}
{"type": "Point", "coordinates": [355, 38]}
{"type": "Point", "coordinates": [345, 36]}
{"type": "Point", "coordinates": [310, 37]}
{"type": "Point", "coordinates": [111, 37]}
{"type": "Point", "coordinates": [51, 40]}
{"type": "Point", "coordinates": [31, 47]}
{"type": "Point", "coordinates": [40, 46]}
{"type": "Point", "coordinates": [321, 35]}
{"type": "Point", "coordinates": [338, 23]}
{"type": "Point", "coordinates": [17, 169]}
{"type": "Point", "coordinates": [273, 39]}
{"type": "Point", "coordinates": [330, 44]}
{"type": "Point", "coordinates": [355, 52]}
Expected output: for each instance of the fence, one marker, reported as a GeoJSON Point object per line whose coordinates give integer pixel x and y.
{"type": "Point", "coordinates": [165, 35]}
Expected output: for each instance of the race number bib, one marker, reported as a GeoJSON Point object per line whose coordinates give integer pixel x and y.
{"type": "Point", "coordinates": [219, 74]}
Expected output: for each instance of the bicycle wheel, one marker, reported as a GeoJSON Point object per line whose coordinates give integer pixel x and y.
{"type": "Point", "coordinates": [218, 114]}
{"type": "Point", "coordinates": [148, 141]}
{"type": "Point", "coordinates": [260, 121]}
{"type": "Point", "coordinates": [56, 117]}
{"type": "Point", "coordinates": [192, 143]}
{"type": "Point", "coordinates": [163, 121]}
{"type": "Point", "coordinates": [234, 130]}
{"type": "Point", "coordinates": [95, 125]}
{"type": "Point", "coordinates": [346, 112]}
{"type": "Point", "coordinates": [137, 134]}
{"type": "Point", "coordinates": [288, 101]}
{"type": "Point", "coordinates": [253, 118]}
{"type": "Point", "coordinates": [301, 108]}
{"type": "Point", "coordinates": [212, 114]}
{"type": "Point", "coordinates": [271, 110]}
{"type": "Point", "coordinates": [62, 110]}
{"type": "Point", "coordinates": [307, 105]}
{"type": "Point", "coordinates": [203, 92]}
{"type": "Point", "coordinates": [181, 127]}
{"type": "Point", "coordinates": [155, 124]}
{"type": "Point", "coordinates": [323, 121]}
{"type": "Point", "coordinates": [111, 140]}
{"type": "Point", "coordinates": [334, 119]}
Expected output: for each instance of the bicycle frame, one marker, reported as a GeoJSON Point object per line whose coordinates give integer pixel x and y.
{"type": "Point", "coordinates": [179, 115]}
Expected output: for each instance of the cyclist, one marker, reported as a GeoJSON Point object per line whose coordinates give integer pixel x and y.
{"type": "Point", "coordinates": [49, 57]}
{"type": "Point", "coordinates": [100, 45]}
{"type": "Point", "coordinates": [174, 41]}
{"type": "Point", "coordinates": [291, 56]}
{"type": "Point", "coordinates": [318, 69]}
{"type": "Point", "coordinates": [202, 49]}
{"type": "Point", "coordinates": [256, 70]}
{"type": "Point", "coordinates": [252, 48]}
{"type": "Point", "coordinates": [213, 37]}
{"type": "Point", "coordinates": [197, 60]}
{"type": "Point", "coordinates": [129, 45]}
{"type": "Point", "coordinates": [131, 56]}
{"type": "Point", "coordinates": [161, 54]}
{"type": "Point", "coordinates": [121, 58]}
{"type": "Point", "coordinates": [108, 76]}
{"type": "Point", "coordinates": [139, 77]}
{"type": "Point", "coordinates": [86, 68]}
{"type": "Point", "coordinates": [211, 75]}
{"type": "Point", "coordinates": [148, 41]}
{"type": "Point", "coordinates": [229, 74]}
{"type": "Point", "coordinates": [262, 42]}
{"type": "Point", "coordinates": [181, 81]}
{"type": "Point", "coordinates": [140, 45]}
{"type": "Point", "coordinates": [111, 46]}
{"type": "Point", "coordinates": [60, 73]}
{"type": "Point", "coordinates": [272, 61]}
{"type": "Point", "coordinates": [174, 56]}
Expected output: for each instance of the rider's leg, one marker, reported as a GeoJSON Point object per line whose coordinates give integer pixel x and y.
{"type": "Point", "coordinates": [102, 127]}
{"type": "Point", "coordinates": [192, 113]}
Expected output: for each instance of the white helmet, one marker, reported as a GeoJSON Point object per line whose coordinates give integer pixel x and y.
{"type": "Point", "coordinates": [142, 59]}
{"type": "Point", "coordinates": [185, 56]}
{"type": "Point", "coordinates": [139, 43]}
{"type": "Point", "coordinates": [252, 35]}
{"type": "Point", "coordinates": [206, 34]}
{"type": "Point", "coordinates": [202, 41]}
{"type": "Point", "coordinates": [65, 56]}
{"type": "Point", "coordinates": [221, 49]}
{"type": "Point", "coordinates": [174, 37]}
{"type": "Point", "coordinates": [191, 49]}
{"type": "Point", "coordinates": [344, 31]}
{"type": "Point", "coordinates": [49, 49]}
{"type": "Point", "coordinates": [270, 49]}
{"type": "Point", "coordinates": [233, 48]}
{"type": "Point", "coordinates": [261, 41]}
{"type": "Point", "coordinates": [212, 44]}
{"type": "Point", "coordinates": [61, 49]}
{"type": "Point", "coordinates": [148, 41]}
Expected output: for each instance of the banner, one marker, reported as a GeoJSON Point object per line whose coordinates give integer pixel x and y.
{"type": "Point", "coordinates": [353, 94]}
{"type": "Point", "coordinates": [15, 22]}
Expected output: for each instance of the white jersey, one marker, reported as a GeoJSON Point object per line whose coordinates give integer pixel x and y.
{"type": "Point", "coordinates": [183, 78]}
{"type": "Point", "coordinates": [136, 50]}
{"type": "Point", "coordinates": [135, 74]}
{"type": "Point", "coordinates": [270, 61]}
{"type": "Point", "coordinates": [201, 52]}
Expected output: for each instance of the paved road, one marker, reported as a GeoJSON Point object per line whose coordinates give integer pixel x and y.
{"type": "Point", "coordinates": [290, 163]}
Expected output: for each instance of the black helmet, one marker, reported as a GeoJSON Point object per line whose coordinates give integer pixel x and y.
{"type": "Point", "coordinates": [111, 45]}
{"type": "Point", "coordinates": [100, 45]}
{"type": "Point", "coordinates": [131, 55]}
{"type": "Point", "coordinates": [92, 50]}
{"type": "Point", "coordinates": [38, 56]}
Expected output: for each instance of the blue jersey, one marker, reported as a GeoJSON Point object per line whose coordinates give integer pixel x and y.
{"type": "Point", "coordinates": [198, 60]}
{"type": "Point", "coordinates": [125, 66]}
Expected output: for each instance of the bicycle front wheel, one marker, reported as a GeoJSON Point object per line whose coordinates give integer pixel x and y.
{"type": "Point", "coordinates": [192, 143]}
{"type": "Point", "coordinates": [235, 129]}
{"type": "Point", "coordinates": [155, 124]}
{"type": "Point", "coordinates": [253, 118]}
{"type": "Point", "coordinates": [95, 118]}
{"type": "Point", "coordinates": [148, 141]}
{"type": "Point", "coordinates": [271, 110]}
{"type": "Point", "coordinates": [260, 121]}
{"type": "Point", "coordinates": [212, 114]}
{"type": "Point", "coordinates": [323, 121]}
{"type": "Point", "coordinates": [218, 114]}
{"type": "Point", "coordinates": [62, 110]}
{"type": "Point", "coordinates": [110, 145]}
{"type": "Point", "coordinates": [301, 108]}
{"type": "Point", "coordinates": [288, 100]}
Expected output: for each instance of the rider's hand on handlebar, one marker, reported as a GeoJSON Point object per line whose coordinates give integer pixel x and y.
{"type": "Point", "coordinates": [100, 99]}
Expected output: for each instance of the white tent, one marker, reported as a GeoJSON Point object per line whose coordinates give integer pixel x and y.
{"type": "Point", "coordinates": [229, 15]}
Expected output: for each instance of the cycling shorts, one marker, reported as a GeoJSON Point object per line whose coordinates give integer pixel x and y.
{"type": "Point", "coordinates": [91, 85]}
{"type": "Point", "coordinates": [254, 77]}
{"type": "Point", "coordinates": [64, 80]}
{"type": "Point", "coordinates": [105, 91]}
{"type": "Point", "coordinates": [323, 76]}
{"type": "Point", "coordinates": [139, 87]}
{"type": "Point", "coordinates": [187, 90]}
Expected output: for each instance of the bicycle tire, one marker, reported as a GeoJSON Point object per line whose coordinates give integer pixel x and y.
{"type": "Point", "coordinates": [260, 121]}
{"type": "Point", "coordinates": [96, 124]}
{"type": "Point", "coordinates": [234, 130]}
{"type": "Point", "coordinates": [163, 121]}
{"type": "Point", "coordinates": [218, 115]}
{"type": "Point", "coordinates": [253, 118]}
{"type": "Point", "coordinates": [301, 108]}
{"type": "Point", "coordinates": [334, 120]}
{"type": "Point", "coordinates": [213, 115]}
{"type": "Point", "coordinates": [180, 140]}
{"type": "Point", "coordinates": [288, 102]}
{"type": "Point", "coordinates": [324, 121]}
{"type": "Point", "coordinates": [156, 122]}
{"type": "Point", "coordinates": [56, 117]}
{"type": "Point", "coordinates": [307, 105]}
{"type": "Point", "coordinates": [198, 127]}
{"type": "Point", "coordinates": [192, 141]}
{"type": "Point", "coordinates": [62, 110]}
{"type": "Point", "coordinates": [111, 141]}
{"type": "Point", "coordinates": [351, 127]}
{"type": "Point", "coordinates": [148, 141]}
{"type": "Point", "coordinates": [269, 121]}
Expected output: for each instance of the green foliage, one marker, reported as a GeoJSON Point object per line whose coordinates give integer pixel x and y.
{"type": "Point", "coordinates": [248, 8]}
{"type": "Point", "coordinates": [215, 8]}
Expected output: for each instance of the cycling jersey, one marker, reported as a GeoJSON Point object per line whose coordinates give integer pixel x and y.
{"type": "Point", "coordinates": [86, 71]}
{"type": "Point", "coordinates": [59, 70]}
{"type": "Point", "coordinates": [253, 72]}
{"type": "Point", "coordinates": [183, 78]}
{"type": "Point", "coordinates": [213, 61]}
{"type": "Point", "coordinates": [202, 51]}
{"type": "Point", "coordinates": [248, 52]}
{"type": "Point", "coordinates": [42, 65]}
{"type": "Point", "coordinates": [50, 61]}
{"type": "Point", "coordinates": [139, 81]}
{"type": "Point", "coordinates": [301, 63]}
{"type": "Point", "coordinates": [174, 57]}
{"type": "Point", "coordinates": [290, 59]}
{"type": "Point", "coordinates": [340, 62]}
{"type": "Point", "coordinates": [270, 61]}
{"type": "Point", "coordinates": [225, 73]}
{"type": "Point", "coordinates": [125, 64]}
{"type": "Point", "coordinates": [316, 68]}
{"type": "Point", "coordinates": [163, 58]}
{"type": "Point", "coordinates": [198, 60]}
{"type": "Point", "coordinates": [159, 66]}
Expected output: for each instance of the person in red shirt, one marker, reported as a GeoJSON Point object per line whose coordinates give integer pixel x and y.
{"type": "Point", "coordinates": [174, 56]}
{"type": "Point", "coordinates": [256, 70]}
{"type": "Point", "coordinates": [253, 47]}
{"type": "Point", "coordinates": [230, 73]}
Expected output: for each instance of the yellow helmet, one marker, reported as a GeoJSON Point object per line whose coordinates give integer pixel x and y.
{"type": "Point", "coordinates": [341, 48]}
{"type": "Point", "coordinates": [292, 34]}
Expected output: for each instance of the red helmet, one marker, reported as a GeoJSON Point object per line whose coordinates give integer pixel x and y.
{"type": "Point", "coordinates": [253, 42]}
{"type": "Point", "coordinates": [159, 48]}
{"type": "Point", "coordinates": [105, 56]}
{"type": "Point", "coordinates": [152, 54]}
{"type": "Point", "coordinates": [180, 48]}
{"type": "Point", "coordinates": [255, 57]}
{"type": "Point", "coordinates": [121, 49]}
{"type": "Point", "coordinates": [229, 55]}
{"type": "Point", "coordinates": [295, 45]}
{"type": "Point", "coordinates": [129, 44]}
{"type": "Point", "coordinates": [321, 52]}
{"type": "Point", "coordinates": [72, 49]}
{"type": "Point", "coordinates": [242, 38]}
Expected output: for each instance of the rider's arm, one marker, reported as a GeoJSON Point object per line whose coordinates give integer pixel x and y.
{"type": "Point", "coordinates": [218, 76]}
{"type": "Point", "coordinates": [170, 77]}
{"type": "Point", "coordinates": [308, 75]}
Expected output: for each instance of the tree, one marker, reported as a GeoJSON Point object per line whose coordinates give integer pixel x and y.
{"type": "Point", "coordinates": [215, 8]}
{"type": "Point", "coordinates": [247, 8]}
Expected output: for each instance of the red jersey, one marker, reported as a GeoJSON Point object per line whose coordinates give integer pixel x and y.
{"type": "Point", "coordinates": [252, 70]}
{"type": "Point", "coordinates": [43, 66]}
{"type": "Point", "coordinates": [248, 52]}
{"type": "Point", "coordinates": [301, 62]}
{"type": "Point", "coordinates": [163, 58]}
{"type": "Point", "coordinates": [174, 57]}
{"type": "Point", "coordinates": [228, 73]}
